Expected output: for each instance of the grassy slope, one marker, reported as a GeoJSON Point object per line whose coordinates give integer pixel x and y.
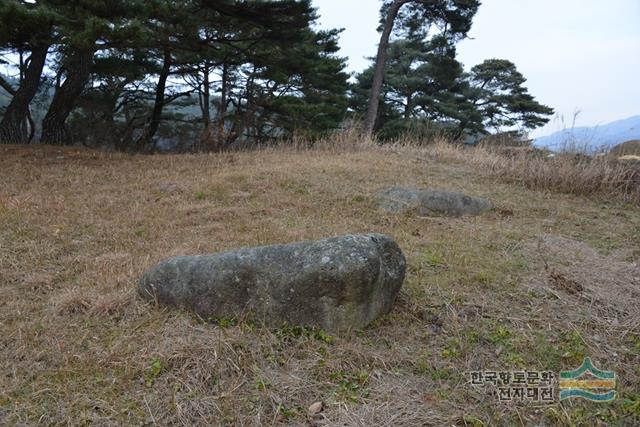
{"type": "Point", "coordinates": [78, 228]}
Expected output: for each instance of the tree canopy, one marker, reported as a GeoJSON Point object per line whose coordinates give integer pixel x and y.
{"type": "Point", "coordinates": [203, 73]}
{"type": "Point", "coordinates": [138, 75]}
{"type": "Point", "coordinates": [424, 88]}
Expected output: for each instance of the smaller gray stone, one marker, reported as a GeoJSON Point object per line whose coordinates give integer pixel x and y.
{"type": "Point", "coordinates": [431, 203]}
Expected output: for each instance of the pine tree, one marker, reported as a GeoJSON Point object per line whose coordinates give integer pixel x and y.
{"type": "Point", "coordinates": [421, 86]}
{"type": "Point", "coordinates": [133, 70]}
{"type": "Point", "coordinates": [29, 31]}
{"type": "Point", "coordinates": [85, 27]}
{"type": "Point", "coordinates": [424, 85]}
{"type": "Point", "coordinates": [448, 18]}
{"type": "Point", "coordinates": [496, 89]}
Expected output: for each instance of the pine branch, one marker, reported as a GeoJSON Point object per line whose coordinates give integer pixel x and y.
{"type": "Point", "coordinates": [4, 84]}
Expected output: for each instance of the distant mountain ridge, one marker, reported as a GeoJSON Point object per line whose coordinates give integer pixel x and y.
{"type": "Point", "coordinates": [595, 138]}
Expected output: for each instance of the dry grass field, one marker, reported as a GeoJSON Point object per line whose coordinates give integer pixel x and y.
{"type": "Point", "coordinates": [542, 281]}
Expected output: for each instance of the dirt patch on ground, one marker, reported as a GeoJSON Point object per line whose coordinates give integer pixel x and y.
{"type": "Point", "coordinates": [577, 274]}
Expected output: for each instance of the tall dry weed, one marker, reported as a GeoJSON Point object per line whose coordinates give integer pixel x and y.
{"type": "Point", "coordinates": [563, 173]}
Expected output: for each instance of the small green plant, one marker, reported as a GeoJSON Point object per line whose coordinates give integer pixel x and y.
{"type": "Point", "coordinates": [452, 349]}
{"type": "Point", "coordinates": [295, 187]}
{"type": "Point", "coordinates": [471, 421]}
{"type": "Point", "coordinates": [321, 335]}
{"type": "Point", "coordinates": [441, 374]}
{"type": "Point", "coordinates": [289, 413]}
{"type": "Point", "coordinates": [260, 384]}
{"type": "Point", "coordinates": [154, 370]}
{"type": "Point", "coordinates": [472, 336]}
{"type": "Point", "coordinates": [499, 335]}
{"type": "Point", "coordinates": [424, 366]}
{"type": "Point", "coordinates": [634, 342]}
{"type": "Point", "coordinates": [546, 353]}
{"type": "Point", "coordinates": [630, 405]}
{"type": "Point", "coordinates": [289, 331]}
{"type": "Point", "coordinates": [482, 277]}
{"type": "Point", "coordinates": [504, 339]}
{"type": "Point", "coordinates": [5, 402]}
{"type": "Point", "coordinates": [514, 358]}
{"type": "Point", "coordinates": [572, 346]}
{"type": "Point", "coordinates": [201, 195]}
{"type": "Point", "coordinates": [432, 259]}
{"type": "Point", "coordinates": [351, 387]}
{"type": "Point", "coordinates": [249, 325]}
{"type": "Point", "coordinates": [223, 322]}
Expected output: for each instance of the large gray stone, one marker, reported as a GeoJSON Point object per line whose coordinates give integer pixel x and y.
{"type": "Point", "coordinates": [431, 203]}
{"type": "Point", "coordinates": [336, 284]}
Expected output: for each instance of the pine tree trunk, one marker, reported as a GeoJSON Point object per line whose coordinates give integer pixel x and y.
{"type": "Point", "coordinates": [154, 121]}
{"type": "Point", "coordinates": [378, 74]}
{"type": "Point", "coordinates": [7, 87]}
{"type": "Point", "coordinates": [12, 129]}
{"type": "Point", "coordinates": [206, 98]}
{"type": "Point", "coordinates": [54, 128]}
{"type": "Point", "coordinates": [205, 107]}
{"type": "Point", "coordinates": [222, 109]}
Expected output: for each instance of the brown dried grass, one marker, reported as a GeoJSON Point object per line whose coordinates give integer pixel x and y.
{"type": "Point", "coordinates": [569, 173]}
{"type": "Point", "coordinates": [77, 228]}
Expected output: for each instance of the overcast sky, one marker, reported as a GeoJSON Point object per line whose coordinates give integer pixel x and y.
{"type": "Point", "coordinates": [576, 54]}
